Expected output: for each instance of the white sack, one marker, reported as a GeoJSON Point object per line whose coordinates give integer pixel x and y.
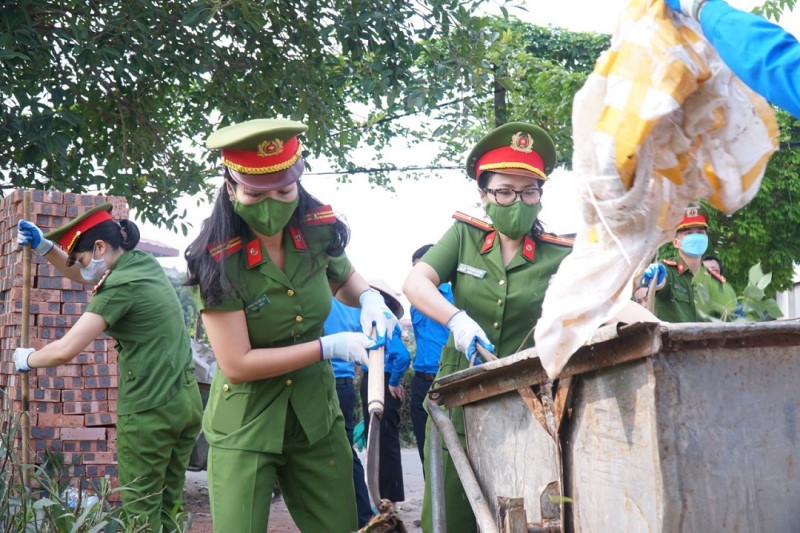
{"type": "Point", "coordinates": [660, 123]}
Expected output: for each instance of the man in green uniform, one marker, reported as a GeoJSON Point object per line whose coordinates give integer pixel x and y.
{"type": "Point", "coordinates": [677, 280]}
{"type": "Point", "coordinates": [499, 273]}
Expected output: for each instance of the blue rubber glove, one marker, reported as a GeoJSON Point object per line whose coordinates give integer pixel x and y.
{"type": "Point", "coordinates": [21, 356]}
{"type": "Point", "coordinates": [29, 233]}
{"type": "Point", "coordinates": [690, 8]}
{"type": "Point", "coordinates": [466, 334]}
{"type": "Point", "coordinates": [375, 312]}
{"type": "Point", "coordinates": [655, 269]}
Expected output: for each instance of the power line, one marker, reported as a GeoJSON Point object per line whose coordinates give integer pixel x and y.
{"type": "Point", "coordinates": [380, 170]}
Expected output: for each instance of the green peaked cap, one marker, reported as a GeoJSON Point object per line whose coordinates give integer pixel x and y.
{"type": "Point", "coordinates": [249, 134]}
{"type": "Point", "coordinates": [67, 235]}
{"type": "Point", "coordinates": [504, 137]}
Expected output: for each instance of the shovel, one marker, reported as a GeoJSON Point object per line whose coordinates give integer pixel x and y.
{"type": "Point", "coordinates": [375, 390]}
{"type": "Point", "coordinates": [25, 420]}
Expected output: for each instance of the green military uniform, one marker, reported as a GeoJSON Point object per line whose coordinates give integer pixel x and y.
{"type": "Point", "coordinates": [159, 406]}
{"type": "Point", "coordinates": [289, 426]}
{"type": "Point", "coordinates": [675, 301]}
{"type": "Point", "coordinates": [506, 301]}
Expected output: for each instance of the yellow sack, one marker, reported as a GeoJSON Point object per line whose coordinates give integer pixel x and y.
{"type": "Point", "coordinates": [660, 123]}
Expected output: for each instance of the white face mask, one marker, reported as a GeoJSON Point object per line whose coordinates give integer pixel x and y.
{"type": "Point", "coordinates": [95, 270]}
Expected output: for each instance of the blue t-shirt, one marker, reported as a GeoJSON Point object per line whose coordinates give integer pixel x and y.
{"type": "Point", "coordinates": [430, 336]}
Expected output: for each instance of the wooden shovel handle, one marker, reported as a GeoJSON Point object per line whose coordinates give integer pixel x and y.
{"type": "Point", "coordinates": [375, 386]}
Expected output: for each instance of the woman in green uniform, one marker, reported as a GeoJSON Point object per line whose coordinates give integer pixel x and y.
{"type": "Point", "coordinates": [158, 406]}
{"type": "Point", "coordinates": [499, 272]}
{"type": "Point", "coordinates": [264, 268]}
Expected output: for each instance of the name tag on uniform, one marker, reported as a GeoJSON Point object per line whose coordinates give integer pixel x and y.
{"type": "Point", "coordinates": [256, 304]}
{"type": "Point", "coordinates": [471, 271]}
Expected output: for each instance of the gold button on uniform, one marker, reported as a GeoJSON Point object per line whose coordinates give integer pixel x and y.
{"type": "Point", "coordinates": [298, 318]}
{"type": "Point", "coordinates": [496, 325]}
{"type": "Point", "coordinates": [225, 387]}
{"type": "Point", "coordinates": [499, 302]}
{"type": "Point", "coordinates": [288, 382]}
{"type": "Point", "coordinates": [502, 282]}
{"type": "Point", "coordinates": [290, 292]}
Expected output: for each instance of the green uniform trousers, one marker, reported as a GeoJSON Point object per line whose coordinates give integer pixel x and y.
{"type": "Point", "coordinates": [316, 482]}
{"type": "Point", "coordinates": [153, 449]}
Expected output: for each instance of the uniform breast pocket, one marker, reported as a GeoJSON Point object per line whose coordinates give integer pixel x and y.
{"type": "Point", "coordinates": [256, 305]}
{"type": "Point", "coordinates": [680, 294]}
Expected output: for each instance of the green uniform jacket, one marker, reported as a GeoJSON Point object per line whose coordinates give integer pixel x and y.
{"type": "Point", "coordinates": [282, 308]}
{"type": "Point", "coordinates": [145, 317]}
{"type": "Point", "coordinates": [675, 302]}
{"type": "Point", "coordinates": [505, 301]}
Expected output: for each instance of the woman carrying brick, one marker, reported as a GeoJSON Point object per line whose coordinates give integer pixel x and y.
{"type": "Point", "coordinates": [264, 269]}
{"type": "Point", "coordinates": [158, 407]}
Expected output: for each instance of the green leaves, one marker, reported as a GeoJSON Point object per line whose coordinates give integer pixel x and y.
{"type": "Point", "coordinates": [98, 95]}
{"type": "Point", "coordinates": [715, 301]}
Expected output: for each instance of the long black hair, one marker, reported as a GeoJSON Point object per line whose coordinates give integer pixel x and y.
{"type": "Point", "coordinates": [124, 234]}
{"type": "Point", "coordinates": [224, 224]}
{"type": "Point", "coordinates": [537, 228]}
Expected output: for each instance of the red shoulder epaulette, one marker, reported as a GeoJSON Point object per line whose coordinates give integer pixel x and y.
{"type": "Point", "coordinates": [473, 221]}
{"type": "Point", "coordinates": [720, 277]}
{"type": "Point", "coordinates": [557, 239]}
{"type": "Point", "coordinates": [320, 215]}
{"type": "Point", "coordinates": [670, 262]}
{"type": "Point", "coordinates": [221, 251]}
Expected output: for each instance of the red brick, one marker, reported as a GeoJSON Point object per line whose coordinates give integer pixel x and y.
{"type": "Point", "coordinates": [100, 419]}
{"type": "Point", "coordinates": [84, 407]}
{"type": "Point", "coordinates": [83, 434]}
{"type": "Point", "coordinates": [45, 395]}
{"type": "Point", "coordinates": [60, 420]}
{"type": "Point", "coordinates": [99, 458]}
{"type": "Point", "coordinates": [99, 370]}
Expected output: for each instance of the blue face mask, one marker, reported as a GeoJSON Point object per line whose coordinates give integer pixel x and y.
{"type": "Point", "coordinates": [695, 244]}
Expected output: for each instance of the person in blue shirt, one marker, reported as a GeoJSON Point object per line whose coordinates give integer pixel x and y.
{"type": "Point", "coordinates": [396, 360]}
{"type": "Point", "coordinates": [346, 318]}
{"type": "Point", "coordinates": [762, 54]}
{"type": "Point", "coordinates": [430, 337]}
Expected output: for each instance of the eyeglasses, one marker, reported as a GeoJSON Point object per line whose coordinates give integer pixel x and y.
{"type": "Point", "coordinates": [529, 195]}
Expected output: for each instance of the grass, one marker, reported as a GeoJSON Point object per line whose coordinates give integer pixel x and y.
{"type": "Point", "coordinates": [42, 506]}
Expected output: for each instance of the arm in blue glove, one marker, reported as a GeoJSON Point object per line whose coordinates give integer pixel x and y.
{"type": "Point", "coordinates": [765, 56]}
{"type": "Point", "coordinates": [659, 271]}
{"type": "Point", "coordinates": [29, 233]}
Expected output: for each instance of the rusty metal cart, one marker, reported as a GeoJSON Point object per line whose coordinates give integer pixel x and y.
{"type": "Point", "coordinates": [651, 427]}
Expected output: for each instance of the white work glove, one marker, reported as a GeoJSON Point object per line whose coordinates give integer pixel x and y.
{"type": "Point", "coordinates": [29, 233]}
{"type": "Point", "coordinates": [21, 356]}
{"type": "Point", "coordinates": [349, 346]}
{"type": "Point", "coordinates": [466, 333]}
{"type": "Point", "coordinates": [374, 311]}
{"type": "Point", "coordinates": [690, 8]}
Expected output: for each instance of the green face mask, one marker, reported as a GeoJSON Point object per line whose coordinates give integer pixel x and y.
{"type": "Point", "coordinates": [267, 217]}
{"type": "Point", "coordinates": [515, 220]}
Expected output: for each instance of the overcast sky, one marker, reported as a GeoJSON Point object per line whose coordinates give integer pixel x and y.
{"type": "Point", "coordinates": [388, 226]}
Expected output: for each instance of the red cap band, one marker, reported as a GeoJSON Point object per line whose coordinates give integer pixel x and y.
{"type": "Point", "coordinates": [506, 158]}
{"type": "Point", "coordinates": [70, 237]}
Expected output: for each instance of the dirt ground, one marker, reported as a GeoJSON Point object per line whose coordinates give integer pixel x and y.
{"type": "Point", "coordinates": [196, 499]}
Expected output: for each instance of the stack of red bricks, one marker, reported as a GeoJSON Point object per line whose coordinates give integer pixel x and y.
{"type": "Point", "coordinates": [73, 406]}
